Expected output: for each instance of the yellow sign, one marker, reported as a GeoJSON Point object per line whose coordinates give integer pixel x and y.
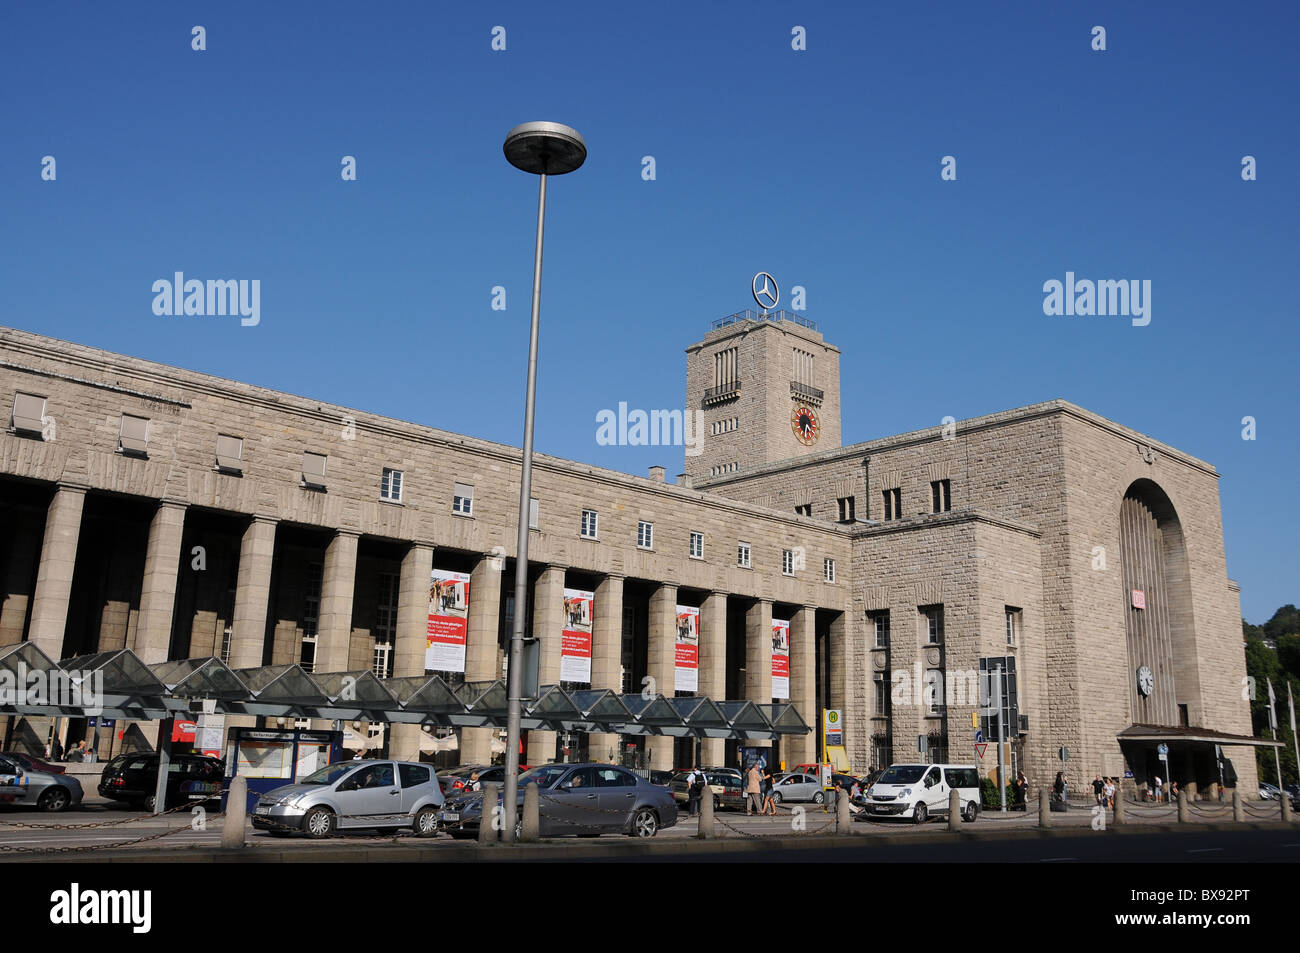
{"type": "Point", "coordinates": [974, 719]}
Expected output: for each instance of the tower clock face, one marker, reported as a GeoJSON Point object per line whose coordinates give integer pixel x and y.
{"type": "Point", "coordinates": [1146, 681]}
{"type": "Point", "coordinates": [803, 420]}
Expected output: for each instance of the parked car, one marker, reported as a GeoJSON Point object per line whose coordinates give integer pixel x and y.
{"type": "Point", "coordinates": [661, 778]}
{"type": "Point", "coordinates": [348, 795]}
{"type": "Point", "coordinates": [1268, 792]}
{"type": "Point", "coordinates": [725, 784]}
{"type": "Point", "coordinates": [31, 763]}
{"type": "Point", "coordinates": [921, 791]}
{"type": "Point", "coordinates": [133, 778]}
{"type": "Point", "coordinates": [798, 787]}
{"type": "Point", "coordinates": [459, 779]}
{"type": "Point", "coordinates": [582, 799]}
{"type": "Point", "coordinates": [44, 790]}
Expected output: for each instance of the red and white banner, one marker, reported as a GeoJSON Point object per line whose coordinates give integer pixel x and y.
{"type": "Point", "coordinates": [448, 621]}
{"type": "Point", "coordinates": [780, 658]}
{"type": "Point", "coordinates": [575, 640]}
{"type": "Point", "coordinates": [686, 670]}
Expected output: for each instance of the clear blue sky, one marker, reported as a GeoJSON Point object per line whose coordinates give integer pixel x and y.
{"type": "Point", "coordinates": [820, 166]}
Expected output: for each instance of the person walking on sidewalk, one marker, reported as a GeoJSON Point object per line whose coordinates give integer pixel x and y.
{"type": "Point", "coordinates": [694, 790]}
{"type": "Point", "coordinates": [769, 786]}
{"type": "Point", "coordinates": [753, 790]}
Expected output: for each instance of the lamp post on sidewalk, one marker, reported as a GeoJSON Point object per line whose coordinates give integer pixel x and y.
{"type": "Point", "coordinates": [543, 149]}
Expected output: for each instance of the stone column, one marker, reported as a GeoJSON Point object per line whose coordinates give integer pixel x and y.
{"type": "Point", "coordinates": [158, 589]}
{"type": "Point", "coordinates": [252, 593]}
{"type": "Point", "coordinates": [481, 649]}
{"type": "Point", "coordinates": [548, 624]}
{"type": "Point", "coordinates": [661, 657]}
{"type": "Point", "coordinates": [338, 584]}
{"type": "Point", "coordinates": [758, 657]}
{"type": "Point", "coordinates": [607, 657]}
{"type": "Point", "coordinates": [411, 638]}
{"type": "Point", "coordinates": [15, 591]}
{"type": "Point", "coordinates": [713, 669]}
{"type": "Point", "coordinates": [802, 749]}
{"type": "Point", "coordinates": [54, 577]}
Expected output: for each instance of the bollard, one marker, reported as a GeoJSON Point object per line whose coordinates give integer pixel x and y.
{"type": "Point", "coordinates": [1286, 808]}
{"type": "Point", "coordinates": [1119, 807]}
{"type": "Point", "coordinates": [487, 821]}
{"type": "Point", "coordinates": [1044, 809]}
{"type": "Point", "coordinates": [843, 819]}
{"type": "Point", "coordinates": [232, 827]}
{"type": "Point", "coordinates": [1182, 807]}
{"type": "Point", "coordinates": [954, 810]}
{"type": "Point", "coordinates": [706, 830]}
{"type": "Point", "coordinates": [531, 827]}
{"type": "Point", "coordinates": [1238, 809]}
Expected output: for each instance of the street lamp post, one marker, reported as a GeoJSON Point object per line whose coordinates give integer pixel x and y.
{"type": "Point", "coordinates": [544, 149]}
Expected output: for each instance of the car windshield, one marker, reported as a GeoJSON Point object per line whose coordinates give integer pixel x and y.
{"type": "Point", "coordinates": [329, 774]}
{"type": "Point", "coordinates": [902, 774]}
{"type": "Point", "coordinates": [543, 777]}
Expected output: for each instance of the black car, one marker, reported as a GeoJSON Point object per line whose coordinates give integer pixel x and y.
{"type": "Point", "coordinates": [133, 778]}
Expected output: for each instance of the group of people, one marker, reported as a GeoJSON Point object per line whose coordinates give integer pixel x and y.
{"type": "Point", "coordinates": [1103, 791]}
{"type": "Point", "coordinates": [81, 751]}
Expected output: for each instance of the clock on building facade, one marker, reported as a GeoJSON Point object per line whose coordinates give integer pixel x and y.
{"type": "Point", "coordinates": [804, 423]}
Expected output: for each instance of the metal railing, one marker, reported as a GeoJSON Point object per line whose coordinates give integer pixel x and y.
{"type": "Point", "coordinates": [806, 391]}
{"type": "Point", "coordinates": [749, 314]}
{"type": "Point", "coordinates": [721, 392]}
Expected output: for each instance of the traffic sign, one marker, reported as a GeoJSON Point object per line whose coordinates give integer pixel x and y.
{"type": "Point", "coordinates": [1064, 753]}
{"type": "Point", "coordinates": [979, 737]}
{"type": "Point", "coordinates": [980, 749]}
{"type": "Point", "coordinates": [1162, 750]}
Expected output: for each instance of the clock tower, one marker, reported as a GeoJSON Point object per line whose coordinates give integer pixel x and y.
{"type": "Point", "coordinates": [768, 385]}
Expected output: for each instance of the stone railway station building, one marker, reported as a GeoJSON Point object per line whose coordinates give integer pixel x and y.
{"type": "Point", "coordinates": [182, 515]}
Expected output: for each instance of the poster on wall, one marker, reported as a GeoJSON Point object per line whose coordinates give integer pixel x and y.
{"type": "Point", "coordinates": [448, 621]}
{"type": "Point", "coordinates": [575, 640]}
{"type": "Point", "coordinates": [686, 671]}
{"type": "Point", "coordinates": [781, 659]}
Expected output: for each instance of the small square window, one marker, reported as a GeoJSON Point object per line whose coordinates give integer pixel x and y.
{"type": "Point", "coordinates": [804, 510]}
{"type": "Point", "coordinates": [390, 485]}
{"type": "Point", "coordinates": [880, 625]}
{"type": "Point", "coordinates": [313, 470]}
{"type": "Point", "coordinates": [846, 509]}
{"type": "Point", "coordinates": [230, 453]}
{"type": "Point", "coordinates": [462, 499]}
{"type": "Point", "coordinates": [742, 555]}
{"type": "Point", "coordinates": [828, 569]}
{"type": "Point", "coordinates": [28, 414]}
{"type": "Point", "coordinates": [133, 438]}
{"type": "Point", "coordinates": [941, 496]}
{"type": "Point", "coordinates": [787, 562]}
{"type": "Point", "coordinates": [697, 545]}
{"type": "Point", "coordinates": [589, 524]}
{"type": "Point", "coordinates": [645, 535]}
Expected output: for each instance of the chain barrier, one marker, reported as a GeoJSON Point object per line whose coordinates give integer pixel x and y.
{"type": "Point", "coordinates": [744, 833]}
{"type": "Point", "coordinates": [95, 824]}
{"type": "Point", "coordinates": [86, 848]}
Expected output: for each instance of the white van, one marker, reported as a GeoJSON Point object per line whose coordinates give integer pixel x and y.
{"type": "Point", "coordinates": [921, 791]}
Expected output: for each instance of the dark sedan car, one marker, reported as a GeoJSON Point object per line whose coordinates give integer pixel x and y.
{"type": "Point", "coordinates": [582, 799]}
{"type": "Point", "coordinates": [133, 778]}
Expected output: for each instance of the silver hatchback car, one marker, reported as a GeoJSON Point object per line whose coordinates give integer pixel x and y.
{"type": "Point", "coordinates": [354, 794]}
{"type": "Point", "coordinates": [39, 789]}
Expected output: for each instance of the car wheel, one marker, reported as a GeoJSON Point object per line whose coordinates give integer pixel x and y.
{"type": "Point", "coordinates": [972, 811]}
{"type": "Point", "coordinates": [717, 804]}
{"type": "Point", "coordinates": [54, 800]}
{"type": "Point", "coordinates": [149, 803]}
{"type": "Point", "coordinates": [426, 823]}
{"type": "Point", "coordinates": [776, 798]}
{"type": "Point", "coordinates": [919, 814]}
{"type": "Point", "coordinates": [645, 824]}
{"type": "Point", "coordinates": [319, 822]}
{"type": "Point", "coordinates": [818, 797]}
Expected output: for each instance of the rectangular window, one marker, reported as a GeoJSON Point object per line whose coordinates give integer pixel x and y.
{"type": "Point", "coordinates": [697, 545]}
{"type": "Point", "coordinates": [893, 504]}
{"type": "Point", "coordinates": [941, 496]}
{"type": "Point", "coordinates": [313, 470]}
{"type": "Point", "coordinates": [310, 616]}
{"type": "Point", "coordinates": [28, 414]}
{"type": "Point", "coordinates": [645, 535]}
{"type": "Point", "coordinates": [133, 438]}
{"type": "Point", "coordinates": [804, 510]}
{"type": "Point", "coordinates": [725, 367]}
{"type": "Point", "coordinates": [390, 485]}
{"type": "Point", "coordinates": [533, 515]}
{"type": "Point", "coordinates": [589, 524]}
{"type": "Point", "coordinates": [385, 624]}
{"type": "Point", "coordinates": [787, 562]}
{"type": "Point", "coordinates": [828, 569]}
{"type": "Point", "coordinates": [1013, 625]}
{"type": "Point", "coordinates": [934, 691]}
{"type": "Point", "coordinates": [846, 508]}
{"type": "Point", "coordinates": [462, 499]}
{"type": "Point", "coordinates": [882, 694]}
{"type": "Point", "coordinates": [880, 626]}
{"type": "Point", "coordinates": [230, 453]}
{"type": "Point", "coordinates": [932, 618]}
{"type": "Point", "coordinates": [742, 555]}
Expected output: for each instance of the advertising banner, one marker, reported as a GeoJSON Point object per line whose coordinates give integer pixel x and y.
{"type": "Point", "coordinates": [448, 621]}
{"type": "Point", "coordinates": [575, 640]}
{"type": "Point", "coordinates": [686, 671]}
{"type": "Point", "coordinates": [781, 659]}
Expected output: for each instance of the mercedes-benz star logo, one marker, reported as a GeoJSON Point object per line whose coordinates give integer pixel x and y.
{"type": "Point", "coordinates": [768, 295]}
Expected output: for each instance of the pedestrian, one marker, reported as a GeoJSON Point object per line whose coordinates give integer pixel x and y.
{"type": "Point", "coordinates": [1160, 789]}
{"type": "Point", "coordinates": [1110, 793]}
{"type": "Point", "coordinates": [1022, 789]}
{"type": "Point", "coordinates": [1098, 787]}
{"type": "Point", "coordinates": [694, 789]}
{"type": "Point", "coordinates": [1173, 790]}
{"type": "Point", "coordinates": [753, 790]}
{"type": "Point", "coordinates": [1058, 787]}
{"type": "Point", "coordinates": [769, 787]}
